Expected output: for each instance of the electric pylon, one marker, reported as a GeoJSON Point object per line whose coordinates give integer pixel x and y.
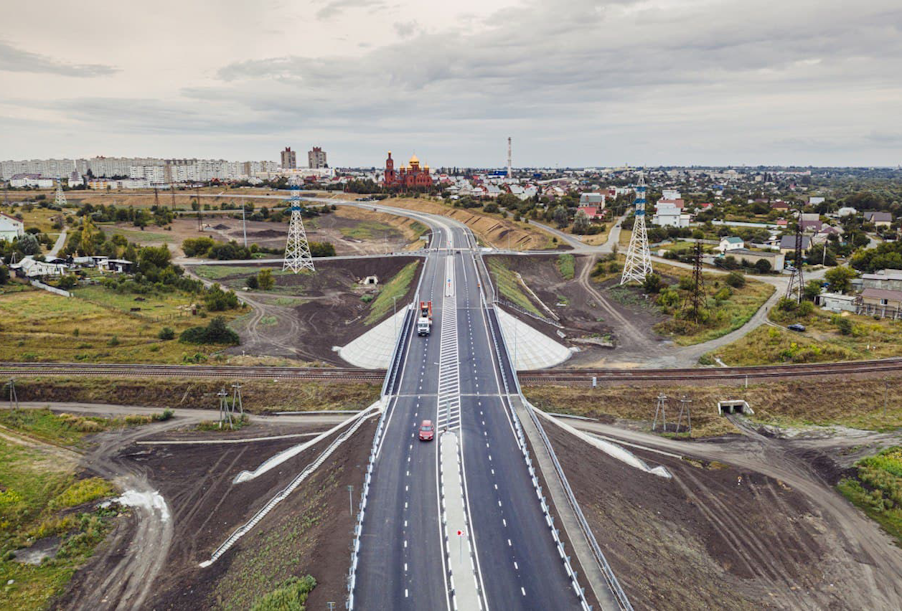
{"type": "Point", "coordinates": [797, 279]}
{"type": "Point", "coordinates": [297, 250]}
{"type": "Point", "coordinates": [60, 196]}
{"type": "Point", "coordinates": [697, 298]}
{"type": "Point", "coordinates": [638, 257]}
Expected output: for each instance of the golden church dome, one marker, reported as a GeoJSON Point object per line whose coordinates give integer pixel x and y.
{"type": "Point", "coordinates": [414, 160]}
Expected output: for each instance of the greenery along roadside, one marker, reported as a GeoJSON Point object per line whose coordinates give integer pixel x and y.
{"type": "Point", "coordinates": [397, 287]}
{"type": "Point", "coordinates": [877, 489]}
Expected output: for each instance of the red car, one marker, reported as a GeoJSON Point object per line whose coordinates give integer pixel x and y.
{"type": "Point", "coordinates": [427, 431]}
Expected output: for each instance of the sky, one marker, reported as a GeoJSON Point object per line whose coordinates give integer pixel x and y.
{"type": "Point", "coordinates": [575, 83]}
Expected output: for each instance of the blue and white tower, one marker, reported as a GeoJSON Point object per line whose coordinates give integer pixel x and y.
{"type": "Point", "coordinates": [638, 257]}
{"type": "Point", "coordinates": [297, 250]}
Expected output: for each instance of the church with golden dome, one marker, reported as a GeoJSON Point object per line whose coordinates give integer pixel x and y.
{"type": "Point", "coordinates": [410, 176]}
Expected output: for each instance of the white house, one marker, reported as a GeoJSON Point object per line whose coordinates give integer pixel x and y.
{"type": "Point", "coordinates": [669, 215]}
{"type": "Point", "coordinates": [814, 201]}
{"type": "Point", "coordinates": [10, 228]}
{"type": "Point", "coordinates": [30, 268]}
{"type": "Point", "coordinates": [670, 194]}
{"type": "Point", "coordinates": [30, 180]}
{"type": "Point", "coordinates": [728, 243]}
{"type": "Point", "coordinates": [846, 211]}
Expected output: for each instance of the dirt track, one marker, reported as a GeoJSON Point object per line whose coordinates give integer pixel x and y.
{"type": "Point", "coordinates": [782, 538]}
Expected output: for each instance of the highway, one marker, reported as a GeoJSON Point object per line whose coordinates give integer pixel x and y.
{"type": "Point", "coordinates": [404, 562]}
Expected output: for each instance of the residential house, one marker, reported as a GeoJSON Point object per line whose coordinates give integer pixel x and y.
{"type": "Point", "coordinates": [11, 228]}
{"type": "Point", "coordinates": [667, 214]}
{"type": "Point", "coordinates": [788, 244]}
{"type": "Point", "coordinates": [728, 243]}
{"type": "Point", "coordinates": [880, 219]}
{"type": "Point", "coordinates": [811, 223]}
{"type": "Point", "coordinates": [846, 211]}
{"type": "Point", "coordinates": [880, 302]}
{"type": "Point", "coordinates": [781, 206]}
{"type": "Point", "coordinates": [814, 201]}
{"type": "Point", "coordinates": [592, 199]}
{"type": "Point", "coordinates": [30, 180]}
{"type": "Point", "coordinates": [885, 279]}
{"type": "Point", "coordinates": [594, 213]}
{"type": "Point", "coordinates": [30, 268]}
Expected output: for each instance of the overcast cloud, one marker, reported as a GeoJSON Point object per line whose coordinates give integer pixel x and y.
{"type": "Point", "coordinates": [576, 83]}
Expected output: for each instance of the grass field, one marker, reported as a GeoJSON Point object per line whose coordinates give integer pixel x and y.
{"type": "Point", "coordinates": [857, 403]}
{"type": "Point", "coordinates": [723, 316]}
{"type": "Point", "coordinates": [877, 489]}
{"type": "Point", "coordinates": [41, 218]}
{"type": "Point", "coordinates": [565, 265]}
{"type": "Point", "coordinates": [370, 230]}
{"type": "Point", "coordinates": [40, 326]}
{"type": "Point", "coordinates": [510, 287]}
{"type": "Point", "coordinates": [822, 341]}
{"type": "Point", "coordinates": [396, 287]}
{"type": "Point", "coordinates": [137, 236]}
{"type": "Point", "coordinates": [38, 488]}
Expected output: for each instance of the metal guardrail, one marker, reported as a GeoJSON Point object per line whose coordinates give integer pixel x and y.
{"type": "Point", "coordinates": [613, 583]}
{"type": "Point", "coordinates": [394, 364]}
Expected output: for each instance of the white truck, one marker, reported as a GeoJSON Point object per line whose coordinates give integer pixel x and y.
{"type": "Point", "coordinates": [424, 322]}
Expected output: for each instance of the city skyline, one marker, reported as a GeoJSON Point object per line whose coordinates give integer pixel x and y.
{"type": "Point", "coordinates": [585, 84]}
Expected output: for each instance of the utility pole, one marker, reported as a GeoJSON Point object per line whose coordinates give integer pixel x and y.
{"type": "Point", "coordinates": [684, 405]}
{"type": "Point", "coordinates": [351, 500]}
{"type": "Point", "coordinates": [156, 197]}
{"type": "Point", "coordinates": [172, 193]}
{"type": "Point", "coordinates": [885, 396]}
{"type": "Point", "coordinates": [244, 223]}
{"type": "Point", "coordinates": [236, 398]}
{"type": "Point", "coordinates": [13, 397]}
{"type": "Point", "coordinates": [698, 283]}
{"type": "Point", "coordinates": [224, 412]}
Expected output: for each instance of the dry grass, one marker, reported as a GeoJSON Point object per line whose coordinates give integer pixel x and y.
{"type": "Point", "coordinates": [855, 403]}
{"type": "Point", "coordinates": [40, 326]}
{"type": "Point", "coordinates": [821, 342]}
{"type": "Point", "coordinates": [260, 395]}
{"type": "Point", "coordinates": [492, 230]}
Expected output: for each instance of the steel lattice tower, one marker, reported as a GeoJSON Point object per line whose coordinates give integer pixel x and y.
{"type": "Point", "coordinates": [797, 279]}
{"type": "Point", "coordinates": [638, 257]}
{"type": "Point", "coordinates": [297, 250]}
{"type": "Point", "coordinates": [60, 196]}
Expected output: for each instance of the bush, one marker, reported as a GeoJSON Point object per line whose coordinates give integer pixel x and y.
{"type": "Point", "coordinates": [762, 266]}
{"type": "Point", "coordinates": [197, 247]}
{"type": "Point", "coordinates": [114, 341]}
{"type": "Point", "coordinates": [723, 294]}
{"type": "Point", "coordinates": [265, 280]}
{"type": "Point", "coordinates": [166, 333]}
{"type": "Point", "coordinates": [290, 596]}
{"type": "Point", "coordinates": [215, 333]}
{"type": "Point", "coordinates": [652, 284]}
{"type": "Point", "coordinates": [252, 283]}
{"type": "Point", "coordinates": [736, 280]}
{"type": "Point", "coordinates": [806, 308]}
{"type": "Point", "coordinates": [844, 325]}
{"type": "Point", "coordinates": [165, 415]}
{"type": "Point", "coordinates": [67, 282]}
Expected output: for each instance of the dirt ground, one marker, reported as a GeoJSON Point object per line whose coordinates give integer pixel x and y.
{"type": "Point", "coordinates": [353, 231]}
{"type": "Point", "coordinates": [708, 539]}
{"type": "Point", "coordinates": [308, 533]}
{"type": "Point", "coordinates": [589, 314]}
{"type": "Point", "coordinates": [307, 315]}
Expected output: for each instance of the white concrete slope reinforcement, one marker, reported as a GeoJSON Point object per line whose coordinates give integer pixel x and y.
{"type": "Point", "coordinates": [373, 349]}
{"type": "Point", "coordinates": [530, 349]}
{"type": "Point", "coordinates": [292, 486]}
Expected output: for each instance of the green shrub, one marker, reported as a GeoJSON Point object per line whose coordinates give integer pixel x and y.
{"type": "Point", "coordinates": [652, 284]}
{"type": "Point", "coordinates": [166, 333]}
{"type": "Point", "coordinates": [736, 280]}
{"type": "Point", "coordinates": [167, 414]}
{"type": "Point", "coordinates": [215, 333]}
{"type": "Point", "coordinates": [291, 596]}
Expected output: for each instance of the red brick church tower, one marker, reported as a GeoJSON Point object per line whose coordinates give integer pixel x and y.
{"type": "Point", "coordinates": [390, 176]}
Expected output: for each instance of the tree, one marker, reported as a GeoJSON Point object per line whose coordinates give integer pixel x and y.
{"type": "Point", "coordinates": [763, 266]}
{"type": "Point", "coordinates": [28, 244]}
{"type": "Point", "coordinates": [560, 216]}
{"type": "Point", "coordinates": [839, 278]}
{"type": "Point", "coordinates": [811, 290]}
{"type": "Point", "coordinates": [265, 280]}
{"type": "Point", "coordinates": [581, 223]}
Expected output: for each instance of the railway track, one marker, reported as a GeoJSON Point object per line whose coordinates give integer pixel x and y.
{"type": "Point", "coordinates": [584, 376]}
{"type": "Point", "coordinates": [346, 374]}
{"type": "Point", "coordinates": [552, 376]}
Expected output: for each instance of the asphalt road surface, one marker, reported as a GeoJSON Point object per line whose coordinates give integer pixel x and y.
{"type": "Point", "coordinates": [402, 557]}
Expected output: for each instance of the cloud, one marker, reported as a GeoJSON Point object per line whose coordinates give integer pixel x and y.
{"type": "Point", "coordinates": [18, 60]}
{"type": "Point", "coordinates": [406, 29]}
{"type": "Point", "coordinates": [334, 8]}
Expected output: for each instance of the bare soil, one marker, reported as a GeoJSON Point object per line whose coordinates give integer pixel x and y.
{"type": "Point", "coordinates": [589, 313]}
{"type": "Point", "coordinates": [308, 533]}
{"type": "Point", "coordinates": [708, 539]}
{"type": "Point", "coordinates": [328, 313]}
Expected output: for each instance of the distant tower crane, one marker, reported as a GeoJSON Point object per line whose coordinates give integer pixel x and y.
{"type": "Point", "coordinates": [638, 257]}
{"type": "Point", "coordinates": [297, 250]}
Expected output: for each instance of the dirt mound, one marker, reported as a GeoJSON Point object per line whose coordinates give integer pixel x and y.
{"type": "Point", "coordinates": [308, 533]}
{"type": "Point", "coordinates": [267, 233]}
{"type": "Point", "coordinates": [221, 227]}
{"type": "Point", "coordinates": [707, 539]}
